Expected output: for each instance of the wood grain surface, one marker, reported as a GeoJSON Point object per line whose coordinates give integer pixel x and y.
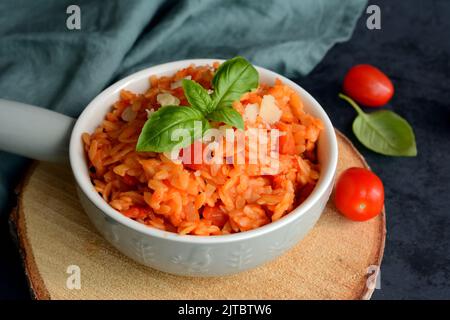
{"type": "Point", "coordinates": [336, 260]}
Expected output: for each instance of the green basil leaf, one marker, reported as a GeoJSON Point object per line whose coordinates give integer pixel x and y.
{"type": "Point", "coordinates": [233, 78]}
{"type": "Point", "coordinates": [156, 135]}
{"type": "Point", "coordinates": [197, 96]}
{"type": "Point", "coordinates": [227, 115]}
{"type": "Point", "coordinates": [384, 132]}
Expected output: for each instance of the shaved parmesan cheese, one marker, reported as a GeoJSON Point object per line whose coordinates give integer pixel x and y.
{"type": "Point", "coordinates": [166, 99]}
{"type": "Point", "coordinates": [269, 111]}
{"type": "Point", "coordinates": [251, 112]}
{"type": "Point", "coordinates": [128, 115]}
{"type": "Point", "coordinates": [179, 83]}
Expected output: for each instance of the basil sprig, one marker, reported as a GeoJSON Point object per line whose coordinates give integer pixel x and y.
{"type": "Point", "coordinates": [156, 135]}
{"type": "Point", "coordinates": [197, 96]}
{"type": "Point", "coordinates": [384, 131]}
{"type": "Point", "coordinates": [231, 80]}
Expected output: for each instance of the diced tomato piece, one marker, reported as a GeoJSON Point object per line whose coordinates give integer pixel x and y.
{"type": "Point", "coordinates": [193, 166]}
{"type": "Point", "coordinates": [287, 143]}
{"type": "Point", "coordinates": [278, 181]}
{"type": "Point", "coordinates": [129, 180]}
{"type": "Point", "coordinates": [188, 155]}
{"type": "Point", "coordinates": [136, 212]}
{"type": "Point", "coordinates": [215, 215]}
{"type": "Point", "coordinates": [132, 212]}
{"type": "Point", "coordinates": [287, 140]}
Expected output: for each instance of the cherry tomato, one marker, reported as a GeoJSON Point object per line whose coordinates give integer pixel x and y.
{"type": "Point", "coordinates": [368, 85]}
{"type": "Point", "coordinates": [359, 194]}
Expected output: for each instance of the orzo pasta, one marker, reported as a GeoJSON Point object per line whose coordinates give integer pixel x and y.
{"type": "Point", "coordinates": [203, 199]}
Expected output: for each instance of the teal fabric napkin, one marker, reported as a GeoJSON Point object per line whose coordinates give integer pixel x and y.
{"type": "Point", "coordinates": [44, 63]}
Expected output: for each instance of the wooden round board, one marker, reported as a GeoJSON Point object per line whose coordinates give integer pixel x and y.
{"type": "Point", "coordinates": [336, 260]}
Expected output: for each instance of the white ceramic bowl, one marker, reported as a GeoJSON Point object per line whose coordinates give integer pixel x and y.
{"type": "Point", "coordinates": [198, 255]}
{"type": "Point", "coordinates": [166, 251]}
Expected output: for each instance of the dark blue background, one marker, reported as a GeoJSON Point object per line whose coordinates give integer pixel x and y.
{"type": "Point", "coordinates": [413, 48]}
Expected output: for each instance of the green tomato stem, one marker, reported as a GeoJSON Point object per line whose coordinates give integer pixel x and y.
{"type": "Point", "coordinates": [352, 103]}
